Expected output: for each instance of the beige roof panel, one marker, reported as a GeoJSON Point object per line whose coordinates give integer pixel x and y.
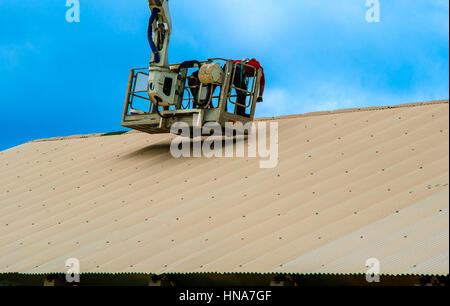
{"type": "Point", "coordinates": [350, 185]}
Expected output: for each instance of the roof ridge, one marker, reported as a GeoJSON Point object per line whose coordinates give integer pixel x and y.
{"type": "Point", "coordinates": [311, 114]}
{"type": "Point", "coordinates": [354, 110]}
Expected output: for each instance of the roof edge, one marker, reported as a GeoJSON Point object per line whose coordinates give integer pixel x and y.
{"type": "Point", "coordinates": [233, 273]}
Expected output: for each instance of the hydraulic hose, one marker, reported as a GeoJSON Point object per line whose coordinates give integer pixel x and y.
{"type": "Point", "coordinates": [159, 113]}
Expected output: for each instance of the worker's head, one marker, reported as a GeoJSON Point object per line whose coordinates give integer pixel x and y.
{"type": "Point", "coordinates": [154, 4]}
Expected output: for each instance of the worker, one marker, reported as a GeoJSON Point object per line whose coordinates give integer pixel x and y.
{"type": "Point", "coordinates": [155, 11]}
{"type": "Point", "coordinates": [194, 85]}
{"type": "Point", "coordinates": [241, 82]}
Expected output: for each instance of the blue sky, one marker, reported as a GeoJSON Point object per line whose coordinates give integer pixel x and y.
{"type": "Point", "coordinates": [59, 78]}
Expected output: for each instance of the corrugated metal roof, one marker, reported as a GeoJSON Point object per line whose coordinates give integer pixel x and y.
{"type": "Point", "coordinates": [350, 185]}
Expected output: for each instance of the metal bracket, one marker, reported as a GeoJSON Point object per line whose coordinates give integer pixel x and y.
{"type": "Point", "coordinates": [197, 118]}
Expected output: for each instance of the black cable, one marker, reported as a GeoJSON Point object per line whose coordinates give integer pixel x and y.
{"type": "Point", "coordinates": [159, 113]}
{"type": "Point", "coordinates": [188, 64]}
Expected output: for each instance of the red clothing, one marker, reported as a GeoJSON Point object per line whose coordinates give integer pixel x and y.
{"type": "Point", "coordinates": [254, 63]}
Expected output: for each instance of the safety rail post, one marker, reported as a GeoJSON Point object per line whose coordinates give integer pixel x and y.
{"type": "Point", "coordinates": [226, 87]}
{"type": "Point", "coordinates": [257, 85]}
{"type": "Point", "coordinates": [127, 97]}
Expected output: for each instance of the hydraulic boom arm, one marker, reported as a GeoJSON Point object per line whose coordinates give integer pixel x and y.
{"type": "Point", "coordinates": [159, 31]}
{"type": "Point", "coordinates": [193, 92]}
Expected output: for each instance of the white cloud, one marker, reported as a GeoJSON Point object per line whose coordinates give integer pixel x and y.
{"type": "Point", "coordinates": [322, 97]}
{"type": "Point", "coordinates": [265, 22]}
{"type": "Point", "coordinates": [277, 102]}
{"type": "Point", "coordinates": [334, 96]}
